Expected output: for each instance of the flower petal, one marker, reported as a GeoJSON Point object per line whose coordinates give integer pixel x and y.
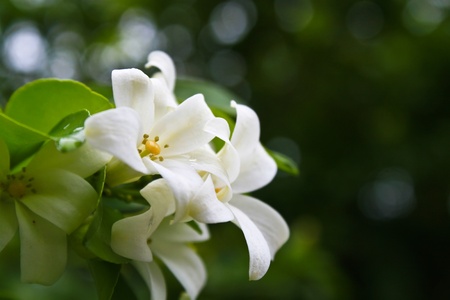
{"type": "Point", "coordinates": [257, 170]}
{"type": "Point", "coordinates": [258, 249]}
{"type": "Point", "coordinates": [246, 132]}
{"type": "Point", "coordinates": [161, 200]}
{"type": "Point", "coordinates": [204, 159]}
{"type": "Point", "coordinates": [118, 172]}
{"type": "Point", "coordinates": [43, 248]}
{"type": "Point", "coordinates": [129, 236]}
{"type": "Point", "coordinates": [180, 232]}
{"type": "Point", "coordinates": [116, 131]}
{"type": "Point", "coordinates": [228, 154]}
{"type": "Point", "coordinates": [83, 161]}
{"type": "Point", "coordinates": [132, 88]}
{"type": "Point", "coordinates": [206, 208]}
{"type": "Point", "coordinates": [269, 222]}
{"type": "Point", "coordinates": [182, 129]}
{"type": "Point", "coordinates": [182, 179]}
{"type": "Point", "coordinates": [165, 100]}
{"type": "Point", "coordinates": [61, 197]}
{"type": "Point", "coordinates": [8, 223]}
{"type": "Point", "coordinates": [184, 263]}
{"type": "Point", "coordinates": [153, 277]}
{"type": "Point", "coordinates": [163, 62]}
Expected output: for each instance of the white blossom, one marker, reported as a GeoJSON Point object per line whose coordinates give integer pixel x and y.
{"type": "Point", "coordinates": [141, 236]}
{"type": "Point", "coordinates": [46, 200]}
{"type": "Point", "coordinates": [249, 168]}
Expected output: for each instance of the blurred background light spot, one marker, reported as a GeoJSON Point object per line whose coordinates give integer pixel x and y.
{"type": "Point", "coordinates": [422, 16]}
{"type": "Point", "coordinates": [137, 35]}
{"type": "Point", "coordinates": [178, 42]}
{"type": "Point", "coordinates": [101, 59]}
{"type": "Point", "coordinates": [293, 15]}
{"type": "Point", "coordinates": [64, 64]}
{"type": "Point", "coordinates": [24, 49]}
{"type": "Point", "coordinates": [231, 21]}
{"type": "Point", "coordinates": [31, 4]}
{"type": "Point", "coordinates": [181, 13]}
{"type": "Point", "coordinates": [440, 3]}
{"type": "Point", "coordinates": [365, 20]}
{"type": "Point", "coordinates": [227, 67]}
{"type": "Point", "coordinates": [69, 40]}
{"type": "Point", "coordinates": [390, 196]}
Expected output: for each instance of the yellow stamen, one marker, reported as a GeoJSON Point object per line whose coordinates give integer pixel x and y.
{"type": "Point", "coordinates": [152, 147]}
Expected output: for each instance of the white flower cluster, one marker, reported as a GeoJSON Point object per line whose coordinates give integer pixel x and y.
{"type": "Point", "coordinates": [147, 133]}
{"type": "Point", "coordinates": [150, 133]}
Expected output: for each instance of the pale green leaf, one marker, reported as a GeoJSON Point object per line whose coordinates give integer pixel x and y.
{"type": "Point", "coordinates": [41, 104]}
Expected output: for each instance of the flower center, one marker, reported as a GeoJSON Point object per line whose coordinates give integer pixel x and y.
{"type": "Point", "coordinates": [18, 185]}
{"type": "Point", "coordinates": [17, 189]}
{"type": "Point", "coordinates": [151, 148]}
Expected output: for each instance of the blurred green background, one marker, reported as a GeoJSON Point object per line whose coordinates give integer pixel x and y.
{"type": "Point", "coordinates": [356, 92]}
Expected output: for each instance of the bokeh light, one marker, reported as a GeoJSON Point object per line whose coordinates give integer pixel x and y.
{"type": "Point", "coordinates": [231, 21]}
{"type": "Point", "coordinates": [228, 68]}
{"type": "Point", "coordinates": [423, 16]}
{"type": "Point", "coordinates": [24, 48]}
{"type": "Point", "coordinates": [390, 196]}
{"type": "Point", "coordinates": [293, 15]}
{"type": "Point", "coordinates": [365, 20]}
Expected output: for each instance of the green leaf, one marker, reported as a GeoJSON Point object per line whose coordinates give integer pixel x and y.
{"type": "Point", "coordinates": [125, 206]}
{"type": "Point", "coordinates": [41, 104]}
{"type": "Point", "coordinates": [123, 290]}
{"type": "Point", "coordinates": [105, 276]}
{"type": "Point", "coordinates": [284, 162]}
{"type": "Point", "coordinates": [97, 180]}
{"type": "Point", "coordinates": [70, 124]}
{"type": "Point", "coordinates": [69, 133]}
{"type": "Point", "coordinates": [78, 238]}
{"type": "Point", "coordinates": [215, 95]}
{"type": "Point", "coordinates": [98, 237]}
{"type": "Point", "coordinates": [22, 141]}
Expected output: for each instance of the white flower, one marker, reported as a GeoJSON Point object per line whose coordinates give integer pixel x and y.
{"type": "Point", "coordinates": [46, 200]}
{"type": "Point", "coordinates": [150, 233]}
{"type": "Point", "coordinates": [147, 142]}
{"type": "Point", "coordinates": [163, 82]}
{"type": "Point", "coordinates": [249, 168]}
